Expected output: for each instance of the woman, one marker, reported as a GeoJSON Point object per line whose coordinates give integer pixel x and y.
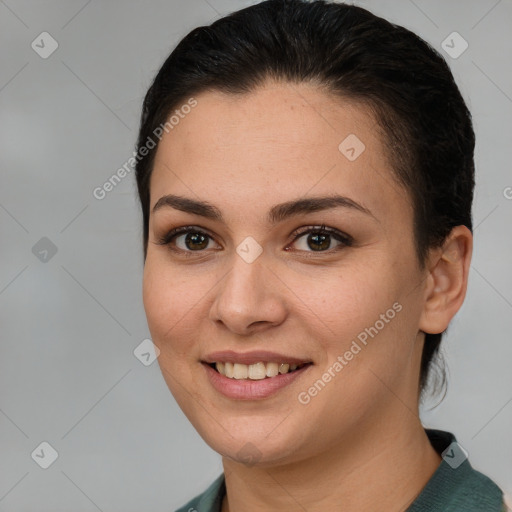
{"type": "Point", "coordinates": [307, 240]}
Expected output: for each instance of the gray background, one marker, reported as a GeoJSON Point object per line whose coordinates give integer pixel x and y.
{"type": "Point", "coordinates": [71, 321]}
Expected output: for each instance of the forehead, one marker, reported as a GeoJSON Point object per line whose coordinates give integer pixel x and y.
{"type": "Point", "coordinates": [277, 143]}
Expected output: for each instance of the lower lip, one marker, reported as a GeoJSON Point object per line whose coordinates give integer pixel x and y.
{"type": "Point", "coordinates": [251, 389]}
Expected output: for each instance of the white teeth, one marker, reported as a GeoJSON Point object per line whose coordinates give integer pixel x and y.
{"type": "Point", "coordinates": [272, 369]}
{"type": "Point", "coordinates": [240, 371]}
{"type": "Point", "coordinates": [284, 367]}
{"type": "Point", "coordinates": [229, 369]}
{"type": "Point", "coordinates": [255, 371]}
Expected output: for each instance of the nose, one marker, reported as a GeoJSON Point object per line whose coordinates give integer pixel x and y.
{"type": "Point", "coordinates": [249, 298]}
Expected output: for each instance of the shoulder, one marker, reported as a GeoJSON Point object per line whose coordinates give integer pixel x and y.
{"type": "Point", "coordinates": [209, 500]}
{"type": "Point", "coordinates": [456, 485]}
{"type": "Point", "coordinates": [478, 492]}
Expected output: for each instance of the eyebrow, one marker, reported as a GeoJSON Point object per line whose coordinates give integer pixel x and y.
{"type": "Point", "coordinates": [276, 214]}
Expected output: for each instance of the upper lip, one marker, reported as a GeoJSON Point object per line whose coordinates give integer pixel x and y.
{"type": "Point", "coordinates": [253, 357]}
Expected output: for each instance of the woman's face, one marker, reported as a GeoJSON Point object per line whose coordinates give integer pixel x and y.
{"type": "Point", "coordinates": [347, 303]}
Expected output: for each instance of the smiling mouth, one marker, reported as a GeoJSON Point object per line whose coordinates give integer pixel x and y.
{"type": "Point", "coordinates": [257, 371]}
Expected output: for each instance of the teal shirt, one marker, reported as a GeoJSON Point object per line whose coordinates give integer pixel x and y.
{"type": "Point", "coordinates": [454, 487]}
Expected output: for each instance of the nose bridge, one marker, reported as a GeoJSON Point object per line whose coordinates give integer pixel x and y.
{"type": "Point", "coordinates": [247, 294]}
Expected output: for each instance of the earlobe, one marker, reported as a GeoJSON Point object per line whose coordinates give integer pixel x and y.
{"type": "Point", "coordinates": [447, 280]}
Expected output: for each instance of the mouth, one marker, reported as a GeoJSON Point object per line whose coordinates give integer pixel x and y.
{"type": "Point", "coordinates": [238, 381]}
{"type": "Point", "coordinates": [257, 371]}
{"type": "Point", "coordinates": [253, 375]}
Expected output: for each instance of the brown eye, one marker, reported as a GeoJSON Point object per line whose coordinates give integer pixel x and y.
{"type": "Point", "coordinates": [319, 239]}
{"type": "Point", "coordinates": [194, 239]}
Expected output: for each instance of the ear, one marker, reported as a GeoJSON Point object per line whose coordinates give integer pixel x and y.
{"type": "Point", "coordinates": [447, 280]}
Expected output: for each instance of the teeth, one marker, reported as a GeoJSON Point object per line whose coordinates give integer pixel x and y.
{"type": "Point", "coordinates": [255, 371]}
{"type": "Point", "coordinates": [272, 369]}
{"type": "Point", "coordinates": [229, 369]}
{"type": "Point", "coordinates": [240, 371]}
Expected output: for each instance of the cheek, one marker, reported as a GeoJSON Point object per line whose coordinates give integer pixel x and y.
{"type": "Point", "coordinates": [176, 310]}
{"type": "Point", "coordinates": [168, 299]}
{"type": "Point", "coordinates": [153, 296]}
{"type": "Point", "coordinates": [349, 302]}
{"type": "Point", "coordinates": [361, 317]}
{"type": "Point", "coordinates": [168, 303]}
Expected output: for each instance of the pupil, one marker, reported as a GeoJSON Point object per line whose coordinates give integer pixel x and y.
{"type": "Point", "coordinates": [314, 239]}
{"type": "Point", "coordinates": [195, 237]}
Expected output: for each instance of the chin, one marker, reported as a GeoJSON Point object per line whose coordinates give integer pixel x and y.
{"type": "Point", "coordinates": [261, 443]}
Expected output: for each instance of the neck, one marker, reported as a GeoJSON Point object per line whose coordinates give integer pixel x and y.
{"type": "Point", "coordinates": [374, 469]}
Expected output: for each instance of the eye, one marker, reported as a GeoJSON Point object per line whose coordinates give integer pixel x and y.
{"type": "Point", "coordinates": [320, 238]}
{"type": "Point", "coordinates": [196, 240]}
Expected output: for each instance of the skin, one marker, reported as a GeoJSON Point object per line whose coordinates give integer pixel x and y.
{"type": "Point", "coordinates": [245, 154]}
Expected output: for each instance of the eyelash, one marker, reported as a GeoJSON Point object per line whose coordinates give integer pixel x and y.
{"type": "Point", "coordinates": [345, 239]}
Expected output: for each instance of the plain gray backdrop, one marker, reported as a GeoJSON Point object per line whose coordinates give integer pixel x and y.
{"type": "Point", "coordinates": [71, 313]}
